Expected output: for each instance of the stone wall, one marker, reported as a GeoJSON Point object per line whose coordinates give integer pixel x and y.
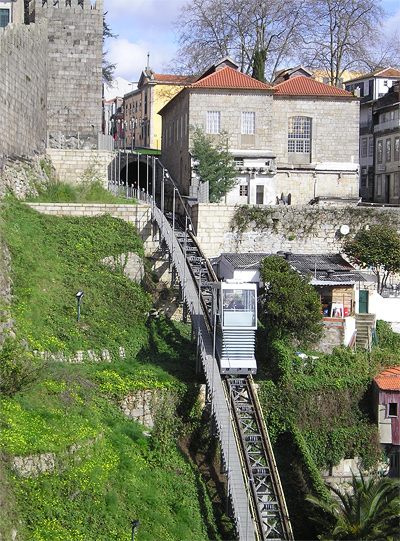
{"type": "Point", "coordinates": [301, 229]}
{"type": "Point", "coordinates": [23, 89]}
{"type": "Point", "coordinates": [74, 71]}
{"type": "Point", "coordinates": [139, 215]}
{"type": "Point", "coordinates": [73, 166]}
{"type": "Point", "coordinates": [334, 128]}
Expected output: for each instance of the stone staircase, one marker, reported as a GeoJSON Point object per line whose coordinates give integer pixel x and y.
{"type": "Point", "coordinates": [365, 324]}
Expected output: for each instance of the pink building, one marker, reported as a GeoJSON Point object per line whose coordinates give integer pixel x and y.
{"type": "Point", "coordinates": [387, 387]}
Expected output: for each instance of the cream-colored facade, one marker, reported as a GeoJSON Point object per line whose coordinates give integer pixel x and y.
{"type": "Point", "coordinates": [142, 123]}
{"type": "Point", "coordinates": [11, 12]}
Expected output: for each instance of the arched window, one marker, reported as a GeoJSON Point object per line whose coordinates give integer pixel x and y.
{"type": "Point", "coordinates": [299, 135]}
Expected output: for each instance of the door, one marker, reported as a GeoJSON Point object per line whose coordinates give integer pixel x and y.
{"type": "Point", "coordinates": [363, 301]}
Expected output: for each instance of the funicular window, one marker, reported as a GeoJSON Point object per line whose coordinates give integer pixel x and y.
{"type": "Point", "coordinates": [239, 308]}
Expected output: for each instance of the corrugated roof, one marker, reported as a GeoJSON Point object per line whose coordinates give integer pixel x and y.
{"type": "Point", "coordinates": [245, 261]}
{"type": "Point", "coordinates": [228, 77]}
{"type": "Point", "coordinates": [389, 380]}
{"type": "Point", "coordinates": [330, 269]}
{"type": "Point", "coordinates": [304, 86]}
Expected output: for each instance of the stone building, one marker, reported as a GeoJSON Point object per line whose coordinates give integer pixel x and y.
{"type": "Point", "coordinates": [294, 142]}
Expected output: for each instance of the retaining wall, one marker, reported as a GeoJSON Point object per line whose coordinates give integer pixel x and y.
{"type": "Point", "coordinates": [139, 215]}
{"type": "Point", "coordinates": [74, 166]}
{"type": "Point", "coordinates": [301, 229]}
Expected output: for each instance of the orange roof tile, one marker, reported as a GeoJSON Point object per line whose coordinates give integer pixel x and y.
{"type": "Point", "coordinates": [389, 380]}
{"type": "Point", "coordinates": [228, 77]}
{"type": "Point", "coordinates": [387, 72]}
{"type": "Point", "coordinates": [304, 86]}
{"type": "Point", "coordinates": [178, 79]}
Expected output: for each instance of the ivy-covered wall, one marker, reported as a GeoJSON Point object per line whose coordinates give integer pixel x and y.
{"type": "Point", "coordinates": [302, 229]}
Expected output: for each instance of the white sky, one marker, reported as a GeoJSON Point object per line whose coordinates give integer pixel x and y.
{"type": "Point", "coordinates": [147, 26]}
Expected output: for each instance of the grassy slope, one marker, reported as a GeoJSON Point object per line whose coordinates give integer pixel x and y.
{"type": "Point", "coordinates": [116, 474]}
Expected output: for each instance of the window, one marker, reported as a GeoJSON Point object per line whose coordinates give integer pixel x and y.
{"type": "Point", "coordinates": [364, 142]}
{"type": "Point", "coordinates": [396, 149]}
{"type": "Point", "coordinates": [388, 150]}
{"type": "Point", "coordinates": [378, 185]}
{"type": "Point", "coordinates": [371, 147]}
{"type": "Point", "coordinates": [371, 87]}
{"type": "Point", "coordinates": [213, 121]}
{"type": "Point", "coordinates": [259, 195]}
{"type": "Point", "coordinates": [248, 123]}
{"type": "Point", "coordinates": [299, 134]}
{"type": "Point", "coordinates": [244, 190]}
{"type": "Point", "coordinates": [379, 151]}
{"type": "Point", "coordinates": [392, 409]}
{"type": "Point", "coordinates": [239, 162]}
{"type": "Point", "coordinates": [4, 17]}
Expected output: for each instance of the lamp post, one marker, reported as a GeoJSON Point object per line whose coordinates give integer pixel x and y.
{"type": "Point", "coordinates": [135, 524]}
{"type": "Point", "coordinates": [79, 296]}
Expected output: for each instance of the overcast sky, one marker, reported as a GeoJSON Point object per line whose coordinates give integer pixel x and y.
{"type": "Point", "coordinates": [147, 26]}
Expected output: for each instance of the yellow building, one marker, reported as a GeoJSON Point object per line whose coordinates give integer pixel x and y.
{"type": "Point", "coordinates": [142, 123]}
{"type": "Point", "coordinates": [324, 76]}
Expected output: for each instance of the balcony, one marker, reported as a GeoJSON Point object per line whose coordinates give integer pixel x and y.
{"type": "Point", "coordinates": [387, 125]}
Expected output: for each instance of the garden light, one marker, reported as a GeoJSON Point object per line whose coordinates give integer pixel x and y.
{"type": "Point", "coordinates": [79, 296]}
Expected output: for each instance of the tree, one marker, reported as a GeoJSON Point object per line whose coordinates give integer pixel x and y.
{"type": "Point", "coordinates": [340, 36]}
{"type": "Point", "coordinates": [108, 68]}
{"type": "Point", "coordinates": [376, 248]}
{"type": "Point", "coordinates": [259, 65]}
{"type": "Point", "coordinates": [242, 29]}
{"type": "Point", "coordinates": [369, 512]}
{"type": "Point", "coordinates": [290, 306]}
{"type": "Point", "coordinates": [213, 164]}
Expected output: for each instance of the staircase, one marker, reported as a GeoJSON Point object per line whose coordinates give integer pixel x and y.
{"type": "Point", "coordinates": [365, 324]}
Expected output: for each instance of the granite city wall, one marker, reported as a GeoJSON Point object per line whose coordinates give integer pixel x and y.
{"type": "Point", "coordinates": [74, 71]}
{"type": "Point", "coordinates": [23, 89]}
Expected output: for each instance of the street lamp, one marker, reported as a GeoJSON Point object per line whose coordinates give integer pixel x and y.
{"type": "Point", "coordinates": [135, 524]}
{"type": "Point", "coordinates": [79, 296]}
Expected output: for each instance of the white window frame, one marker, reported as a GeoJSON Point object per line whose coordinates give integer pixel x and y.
{"type": "Point", "coordinates": [213, 122]}
{"type": "Point", "coordinates": [299, 134]}
{"type": "Point", "coordinates": [248, 122]}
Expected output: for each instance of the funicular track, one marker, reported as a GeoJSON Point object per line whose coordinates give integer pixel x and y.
{"type": "Point", "coordinates": [254, 489]}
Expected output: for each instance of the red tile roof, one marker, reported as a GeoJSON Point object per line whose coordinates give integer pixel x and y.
{"type": "Point", "coordinates": [387, 72]}
{"type": "Point", "coordinates": [229, 78]}
{"type": "Point", "coordinates": [177, 79]}
{"type": "Point", "coordinates": [305, 86]}
{"type": "Point", "coordinates": [389, 380]}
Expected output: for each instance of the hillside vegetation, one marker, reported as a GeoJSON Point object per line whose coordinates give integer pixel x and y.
{"type": "Point", "coordinates": [94, 470]}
